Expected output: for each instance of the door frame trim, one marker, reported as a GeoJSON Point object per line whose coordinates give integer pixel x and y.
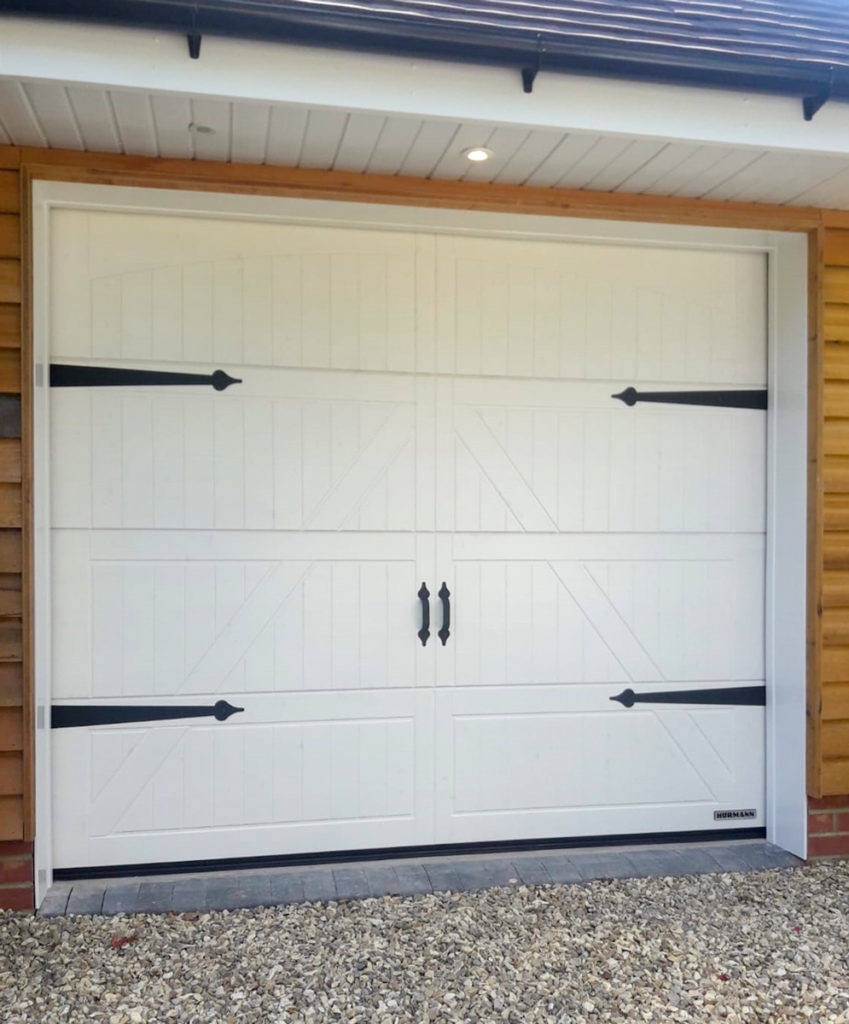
{"type": "Point", "coordinates": [786, 569]}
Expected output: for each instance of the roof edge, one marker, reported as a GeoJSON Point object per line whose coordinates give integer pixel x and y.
{"type": "Point", "coordinates": [482, 45]}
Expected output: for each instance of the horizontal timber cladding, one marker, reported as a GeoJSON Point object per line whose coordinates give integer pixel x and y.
{"type": "Point", "coordinates": [829, 688]}
{"type": "Point", "coordinates": [832, 725]}
{"type": "Point", "coordinates": [16, 796]}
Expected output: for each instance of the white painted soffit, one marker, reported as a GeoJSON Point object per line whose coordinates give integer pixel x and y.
{"type": "Point", "coordinates": [92, 87]}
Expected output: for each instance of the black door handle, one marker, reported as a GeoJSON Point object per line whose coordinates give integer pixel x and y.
{"type": "Point", "coordinates": [445, 598]}
{"type": "Point", "coordinates": [424, 597]}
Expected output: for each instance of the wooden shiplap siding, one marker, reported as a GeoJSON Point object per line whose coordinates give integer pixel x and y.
{"type": "Point", "coordinates": [834, 673]}
{"type": "Point", "coordinates": [15, 746]}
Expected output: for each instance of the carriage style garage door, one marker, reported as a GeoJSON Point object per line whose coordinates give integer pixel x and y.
{"type": "Point", "coordinates": [371, 538]}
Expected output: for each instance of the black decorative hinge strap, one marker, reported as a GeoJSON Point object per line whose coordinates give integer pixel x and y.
{"type": "Point", "coordinates": [740, 399]}
{"type": "Point", "coordinates": [65, 375]}
{"type": "Point", "coordinates": [66, 716]}
{"type": "Point", "coordinates": [753, 696]}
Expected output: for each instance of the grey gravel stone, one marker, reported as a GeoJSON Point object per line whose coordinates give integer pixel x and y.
{"type": "Point", "coordinates": [766, 947]}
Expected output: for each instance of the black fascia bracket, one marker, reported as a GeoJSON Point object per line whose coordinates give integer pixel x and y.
{"type": "Point", "coordinates": [530, 72]}
{"type": "Point", "coordinates": [528, 77]}
{"type": "Point", "coordinates": [193, 36]}
{"type": "Point", "coordinates": [811, 104]}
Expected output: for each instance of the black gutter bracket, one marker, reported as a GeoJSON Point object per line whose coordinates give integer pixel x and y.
{"type": "Point", "coordinates": [530, 73]}
{"type": "Point", "coordinates": [193, 37]}
{"type": "Point", "coordinates": [811, 104]}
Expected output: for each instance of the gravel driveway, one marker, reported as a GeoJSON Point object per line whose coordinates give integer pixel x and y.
{"type": "Point", "coordinates": [771, 946]}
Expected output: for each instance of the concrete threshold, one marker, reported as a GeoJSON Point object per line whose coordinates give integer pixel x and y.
{"type": "Point", "coordinates": [236, 890]}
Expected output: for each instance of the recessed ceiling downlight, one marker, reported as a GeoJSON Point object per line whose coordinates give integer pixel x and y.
{"type": "Point", "coordinates": [477, 154]}
{"type": "Point", "coordinates": [200, 129]}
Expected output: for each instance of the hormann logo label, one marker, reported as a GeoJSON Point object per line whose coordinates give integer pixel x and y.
{"type": "Point", "coordinates": [749, 812]}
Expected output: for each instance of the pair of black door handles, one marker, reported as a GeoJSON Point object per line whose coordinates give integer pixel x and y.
{"type": "Point", "coordinates": [444, 596]}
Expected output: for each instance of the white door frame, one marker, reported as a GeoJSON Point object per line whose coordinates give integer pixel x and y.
{"type": "Point", "coordinates": [786, 448]}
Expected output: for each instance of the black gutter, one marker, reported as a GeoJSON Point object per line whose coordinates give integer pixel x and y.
{"type": "Point", "coordinates": [462, 42]}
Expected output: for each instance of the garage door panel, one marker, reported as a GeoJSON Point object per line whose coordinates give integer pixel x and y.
{"type": "Point", "coordinates": [553, 309]}
{"type": "Point", "coordinates": [697, 619]}
{"type": "Point", "coordinates": [284, 774]}
{"type": "Point", "coordinates": [515, 623]}
{"type": "Point", "coordinates": [323, 297]}
{"type": "Point", "coordinates": [585, 620]}
{"type": "Point", "coordinates": [201, 628]}
{"type": "Point", "coordinates": [600, 467]}
{"type": "Point", "coordinates": [405, 408]}
{"type": "Point", "coordinates": [564, 761]}
{"type": "Point", "coordinates": [201, 462]}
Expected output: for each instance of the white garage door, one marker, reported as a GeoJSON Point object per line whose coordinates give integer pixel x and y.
{"type": "Point", "coordinates": [266, 438]}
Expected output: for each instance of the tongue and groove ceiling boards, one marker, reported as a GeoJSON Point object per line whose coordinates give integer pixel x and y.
{"type": "Point", "coordinates": [49, 114]}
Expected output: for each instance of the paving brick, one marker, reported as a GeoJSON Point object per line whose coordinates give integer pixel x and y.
{"type": "Point", "coordinates": [287, 887]}
{"type": "Point", "coordinates": [85, 900]}
{"type": "Point", "coordinates": [778, 858]}
{"type": "Point", "coordinates": [603, 865]}
{"type": "Point", "coordinates": [382, 879]}
{"type": "Point", "coordinates": [121, 898]}
{"type": "Point", "coordinates": [502, 871]}
{"type": "Point", "coordinates": [351, 883]}
{"type": "Point", "coordinates": [236, 892]}
{"type": "Point", "coordinates": [698, 862]}
{"type": "Point", "coordinates": [55, 902]}
{"type": "Point", "coordinates": [736, 857]}
{"type": "Point", "coordinates": [472, 874]}
{"type": "Point", "coordinates": [319, 885]}
{"type": "Point", "coordinates": [561, 869]}
{"type": "Point", "coordinates": [659, 863]}
{"type": "Point", "coordinates": [154, 897]}
{"type": "Point", "coordinates": [484, 873]}
{"type": "Point", "coordinates": [531, 871]}
{"type": "Point", "coordinates": [413, 879]}
{"type": "Point", "coordinates": [188, 895]}
{"type": "Point", "coordinates": [443, 876]}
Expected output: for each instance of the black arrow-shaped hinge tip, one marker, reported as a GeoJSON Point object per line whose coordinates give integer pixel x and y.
{"type": "Point", "coordinates": [223, 710]}
{"type": "Point", "coordinates": [626, 697]}
{"type": "Point", "coordinates": [628, 396]}
{"type": "Point", "coordinates": [222, 380]}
